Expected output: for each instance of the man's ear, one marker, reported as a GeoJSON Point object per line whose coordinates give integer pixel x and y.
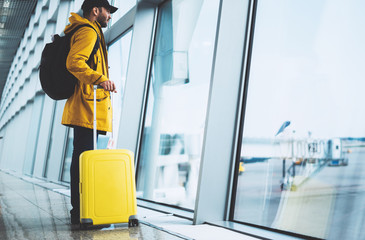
{"type": "Point", "coordinates": [95, 11]}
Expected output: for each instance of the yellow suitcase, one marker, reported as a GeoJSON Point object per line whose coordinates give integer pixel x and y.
{"type": "Point", "coordinates": [107, 186]}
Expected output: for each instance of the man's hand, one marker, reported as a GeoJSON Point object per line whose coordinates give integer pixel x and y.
{"type": "Point", "coordinates": [109, 86]}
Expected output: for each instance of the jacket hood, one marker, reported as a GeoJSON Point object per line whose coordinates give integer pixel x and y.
{"type": "Point", "coordinates": [76, 20]}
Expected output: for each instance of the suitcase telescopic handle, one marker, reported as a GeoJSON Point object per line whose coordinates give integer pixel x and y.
{"type": "Point", "coordinates": [94, 130]}
{"type": "Point", "coordinates": [95, 127]}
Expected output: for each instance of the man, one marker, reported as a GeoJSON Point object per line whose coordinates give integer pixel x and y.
{"type": "Point", "coordinates": [78, 111]}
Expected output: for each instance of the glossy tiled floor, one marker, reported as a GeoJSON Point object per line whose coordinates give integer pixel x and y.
{"type": "Point", "coordinates": [28, 211]}
{"type": "Point", "coordinates": [34, 209]}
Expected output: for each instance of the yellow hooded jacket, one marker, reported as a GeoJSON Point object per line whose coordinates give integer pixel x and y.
{"type": "Point", "coordinates": [79, 107]}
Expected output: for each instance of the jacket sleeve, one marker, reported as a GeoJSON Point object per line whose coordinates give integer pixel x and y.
{"type": "Point", "coordinates": [81, 46]}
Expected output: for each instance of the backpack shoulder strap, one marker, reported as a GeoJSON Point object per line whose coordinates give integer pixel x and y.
{"type": "Point", "coordinates": [97, 43]}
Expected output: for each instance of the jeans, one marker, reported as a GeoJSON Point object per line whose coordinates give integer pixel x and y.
{"type": "Point", "coordinates": [83, 141]}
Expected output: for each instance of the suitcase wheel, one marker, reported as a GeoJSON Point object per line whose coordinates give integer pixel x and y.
{"type": "Point", "coordinates": [133, 223]}
{"type": "Point", "coordinates": [86, 223]}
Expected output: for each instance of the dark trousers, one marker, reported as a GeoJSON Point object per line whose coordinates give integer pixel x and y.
{"type": "Point", "coordinates": [83, 141]}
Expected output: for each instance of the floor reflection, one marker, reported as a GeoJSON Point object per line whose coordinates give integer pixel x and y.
{"type": "Point", "coordinates": [28, 211]}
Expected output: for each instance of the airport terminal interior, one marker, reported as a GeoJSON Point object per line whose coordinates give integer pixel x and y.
{"type": "Point", "coordinates": [241, 114]}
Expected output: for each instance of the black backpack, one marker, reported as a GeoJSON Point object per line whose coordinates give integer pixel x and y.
{"type": "Point", "coordinates": [56, 81]}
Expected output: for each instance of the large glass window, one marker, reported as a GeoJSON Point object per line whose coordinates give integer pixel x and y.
{"type": "Point", "coordinates": [118, 63]}
{"type": "Point", "coordinates": [68, 156]}
{"type": "Point", "coordinates": [123, 7]}
{"type": "Point", "coordinates": [177, 102]}
{"type": "Point", "coordinates": [302, 168]}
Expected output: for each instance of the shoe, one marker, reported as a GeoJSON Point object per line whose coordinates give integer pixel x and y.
{"type": "Point", "coordinates": [75, 220]}
{"type": "Point", "coordinates": [75, 216]}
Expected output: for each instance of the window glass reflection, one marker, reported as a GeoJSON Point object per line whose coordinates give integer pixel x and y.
{"type": "Point", "coordinates": [177, 102]}
{"type": "Point", "coordinates": [118, 54]}
{"type": "Point", "coordinates": [303, 148]}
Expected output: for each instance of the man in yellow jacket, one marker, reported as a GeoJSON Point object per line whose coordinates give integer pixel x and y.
{"type": "Point", "coordinates": [79, 108]}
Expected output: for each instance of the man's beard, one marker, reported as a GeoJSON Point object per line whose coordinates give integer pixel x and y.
{"type": "Point", "coordinates": [102, 21]}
